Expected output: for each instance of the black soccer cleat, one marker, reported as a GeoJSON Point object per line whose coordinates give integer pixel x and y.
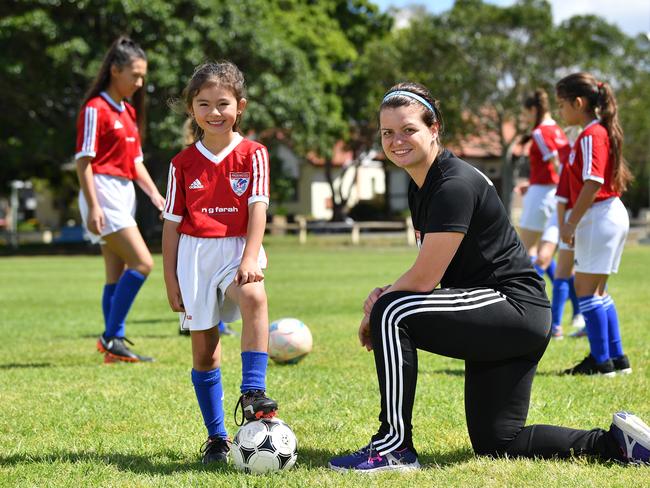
{"type": "Point", "coordinates": [255, 405]}
{"type": "Point", "coordinates": [589, 366]}
{"type": "Point", "coordinates": [622, 365]}
{"type": "Point", "coordinates": [215, 450]}
{"type": "Point", "coordinates": [115, 349]}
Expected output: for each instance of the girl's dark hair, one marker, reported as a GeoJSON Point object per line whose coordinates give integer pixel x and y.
{"type": "Point", "coordinates": [122, 53]}
{"type": "Point", "coordinates": [429, 117]}
{"type": "Point", "coordinates": [600, 99]}
{"type": "Point", "coordinates": [538, 100]}
{"type": "Point", "coordinates": [224, 74]}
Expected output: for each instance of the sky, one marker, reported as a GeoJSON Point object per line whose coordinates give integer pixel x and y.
{"type": "Point", "coordinates": [631, 16]}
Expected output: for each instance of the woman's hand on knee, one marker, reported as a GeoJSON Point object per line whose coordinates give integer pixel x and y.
{"type": "Point", "coordinates": [364, 333]}
{"type": "Point", "coordinates": [372, 298]}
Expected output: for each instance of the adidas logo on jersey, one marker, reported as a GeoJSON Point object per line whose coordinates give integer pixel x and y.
{"type": "Point", "coordinates": [196, 185]}
{"type": "Point", "coordinates": [118, 125]}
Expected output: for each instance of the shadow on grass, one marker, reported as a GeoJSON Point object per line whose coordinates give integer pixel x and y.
{"type": "Point", "coordinates": [308, 458]}
{"type": "Point", "coordinates": [25, 365]}
{"type": "Point", "coordinates": [449, 372]}
{"type": "Point", "coordinates": [172, 463]}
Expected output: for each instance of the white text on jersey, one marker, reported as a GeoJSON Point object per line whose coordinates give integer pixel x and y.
{"type": "Point", "coordinates": [219, 210]}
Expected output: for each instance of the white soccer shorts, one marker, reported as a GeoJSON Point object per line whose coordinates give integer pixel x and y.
{"type": "Point", "coordinates": [538, 205]}
{"type": "Point", "coordinates": [205, 268]}
{"type": "Point", "coordinates": [600, 237]}
{"type": "Point", "coordinates": [116, 197]}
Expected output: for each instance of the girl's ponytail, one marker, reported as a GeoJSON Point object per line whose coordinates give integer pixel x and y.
{"type": "Point", "coordinates": [608, 111]}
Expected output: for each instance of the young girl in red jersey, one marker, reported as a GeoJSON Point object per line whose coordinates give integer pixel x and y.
{"type": "Point", "coordinates": [109, 159]}
{"type": "Point", "coordinates": [215, 216]}
{"type": "Point", "coordinates": [598, 222]}
{"type": "Point", "coordinates": [538, 228]}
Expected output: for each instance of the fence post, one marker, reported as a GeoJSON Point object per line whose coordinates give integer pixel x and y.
{"type": "Point", "coordinates": [302, 233]}
{"type": "Point", "coordinates": [410, 232]}
{"type": "Point", "coordinates": [356, 234]}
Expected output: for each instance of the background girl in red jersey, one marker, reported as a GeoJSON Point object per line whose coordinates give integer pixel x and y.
{"type": "Point", "coordinates": [215, 217]}
{"type": "Point", "coordinates": [598, 222]}
{"type": "Point", "coordinates": [538, 229]}
{"type": "Point", "coordinates": [109, 159]}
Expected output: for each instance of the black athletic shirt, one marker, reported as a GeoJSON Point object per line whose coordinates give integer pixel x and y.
{"type": "Point", "coordinates": [456, 197]}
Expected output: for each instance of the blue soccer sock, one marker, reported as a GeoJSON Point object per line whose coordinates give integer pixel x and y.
{"type": "Point", "coordinates": [573, 296]}
{"type": "Point", "coordinates": [596, 319]}
{"type": "Point", "coordinates": [221, 326]}
{"type": "Point", "coordinates": [253, 366]}
{"type": "Point", "coordinates": [615, 343]}
{"type": "Point", "coordinates": [560, 295]}
{"type": "Point", "coordinates": [107, 298]}
{"type": "Point", "coordinates": [550, 271]}
{"type": "Point", "coordinates": [125, 292]}
{"type": "Point", "coordinates": [209, 393]}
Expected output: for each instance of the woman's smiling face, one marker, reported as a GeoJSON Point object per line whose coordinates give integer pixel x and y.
{"type": "Point", "coordinates": [407, 141]}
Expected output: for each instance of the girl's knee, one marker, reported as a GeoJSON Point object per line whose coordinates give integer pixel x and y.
{"type": "Point", "coordinates": [144, 266]}
{"type": "Point", "coordinates": [252, 297]}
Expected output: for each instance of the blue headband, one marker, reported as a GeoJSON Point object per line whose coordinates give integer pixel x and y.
{"type": "Point", "coordinates": [409, 94]}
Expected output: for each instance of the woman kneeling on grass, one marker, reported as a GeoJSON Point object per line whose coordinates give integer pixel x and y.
{"type": "Point", "coordinates": [491, 310]}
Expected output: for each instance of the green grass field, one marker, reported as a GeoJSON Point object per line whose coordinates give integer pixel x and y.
{"type": "Point", "coordinates": [68, 420]}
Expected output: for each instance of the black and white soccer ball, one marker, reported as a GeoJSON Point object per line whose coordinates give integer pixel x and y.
{"type": "Point", "coordinates": [264, 445]}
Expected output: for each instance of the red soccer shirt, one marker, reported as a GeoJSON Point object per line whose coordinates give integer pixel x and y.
{"type": "Point", "coordinates": [562, 191]}
{"type": "Point", "coordinates": [108, 133]}
{"type": "Point", "coordinates": [549, 141]}
{"type": "Point", "coordinates": [590, 159]}
{"type": "Point", "coordinates": [209, 194]}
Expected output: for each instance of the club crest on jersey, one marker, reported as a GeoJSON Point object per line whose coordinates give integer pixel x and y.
{"type": "Point", "coordinates": [239, 182]}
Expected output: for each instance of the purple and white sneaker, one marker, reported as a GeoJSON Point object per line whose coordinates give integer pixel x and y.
{"type": "Point", "coordinates": [368, 460]}
{"type": "Point", "coordinates": [633, 437]}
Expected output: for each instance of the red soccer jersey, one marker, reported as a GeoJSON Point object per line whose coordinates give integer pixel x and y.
{"type": "Point", "coordinates": [562, 191]}
{"type": "Point", "coordinates": [209, 194]}
{"type": "Point", "coordinates": [549, 141]}
{"type": "Point", "coordinates": [108, 133]}
{"type": "Point", "coordinates": [590, 159]}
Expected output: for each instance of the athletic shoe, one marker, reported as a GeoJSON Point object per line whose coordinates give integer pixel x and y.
{"type": "Point", "coordinates": [633, 437]}
{"type": "Point", "coordinates": [255, 405]}
{"type": "Point", "coordinates": [578, 321]}
{"type": "Point", "coordinates": [115, 349]}
{"type": "Point", "coordinates": [368, 460]}
{"type": "Point", "coordinates": [556, 332]}
{"type": "Point", "coordinates": [578, 333]}
{"type": "Point", "coordinates": [215, 450]}
{"type": "Point", "coordinates": [589, 366]}
{"type": "Point", "coordinates": [184, 332]}
{"type": "Point", "coordinates": [622, 365]}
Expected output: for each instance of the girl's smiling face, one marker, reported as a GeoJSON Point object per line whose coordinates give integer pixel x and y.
{"type": "Point", "coordinates": [216, 109]}
{"type": "Point", "coordinates": [407, 141]}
